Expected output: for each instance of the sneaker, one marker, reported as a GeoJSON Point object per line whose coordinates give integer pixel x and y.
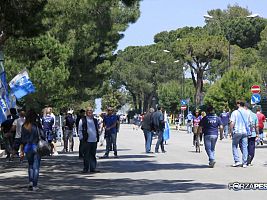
{"type": "Point", "coordinates": [211, 164]}
{"type": "Point", "coordinates": [249, 160]}
{"type": "Point", "coordinates": [55, 153]}
{"type": "Point", "coordinates": [30, 187]}
{"type": "Point", "coordinates": [35, 188]}
{"type": "Point", "coordinates": [245, 166]}
{"type": "Point", "coordinates": [237, 164]}
{"type": "Point", "coordinates": [104, 156]}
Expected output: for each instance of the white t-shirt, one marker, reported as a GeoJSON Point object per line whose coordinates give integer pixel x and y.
{"type": "Point", "coordinates": [92, 137]}
{"type": "Point", "coordinates": [18, 123]}
{"type": "Point", "coordinates": [239, 124]}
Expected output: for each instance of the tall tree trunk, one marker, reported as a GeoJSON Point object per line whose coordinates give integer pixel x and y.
{"type": "Point", "coordinates": [134, 101]}
{"type": "Point", "coordinates": [140, 104]}
{"type": "Point", "coordinates": [199, 88]}
{"type": "Point", "coordinates": [148, 101]}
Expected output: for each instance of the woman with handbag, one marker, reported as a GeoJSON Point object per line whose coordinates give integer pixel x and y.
{"type": "Point", "coordinates": [30, 136]}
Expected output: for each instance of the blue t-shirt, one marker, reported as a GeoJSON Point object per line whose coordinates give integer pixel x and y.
{"type": "Point", "coordinates": [47, 122]}
{"type": "Point", "coordinates": [254, 122]}
{"type": "Point", "coordinates": [189, 117]}
{"type": "Point", "coordinates": [109, 120]}
{"type": "Point", "coordinates": [210, 124]}
{"type": "Point", "coordinates": [225, 117]}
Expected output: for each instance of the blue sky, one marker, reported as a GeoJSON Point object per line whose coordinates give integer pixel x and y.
{"type": "Point", "coordinates": [162, 15]}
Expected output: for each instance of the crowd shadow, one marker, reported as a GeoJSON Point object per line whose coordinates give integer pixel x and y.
{"type": "Point", "coordinates": [61, 178]}
{"type": "Point", "coordinates": [64, 185]}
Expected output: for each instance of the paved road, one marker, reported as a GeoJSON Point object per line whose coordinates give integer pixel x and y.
{"type": "Point", "coordinates": [178, 174]}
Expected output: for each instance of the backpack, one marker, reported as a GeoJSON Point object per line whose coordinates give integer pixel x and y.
{"type": "Point", "coordinates": [70, 122]}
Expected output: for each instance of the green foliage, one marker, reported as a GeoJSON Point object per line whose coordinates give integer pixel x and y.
{"type": "Point", "coordinates": [234, 85]}
{"type": "Point", "coordinates": [198, 51]}
{"type": "Point", "coordinates": [234, 24]}
{"type": "Point", "coordinates": [20, 18]}
{"type": "Point", "coordinates": [69, 62]}
{"type": "Point", "coordinates": [133, 70]}
{"type": "Point", "coordinates": [45, 58]}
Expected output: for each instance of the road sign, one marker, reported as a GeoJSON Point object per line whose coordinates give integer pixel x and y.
{"type": "Point", "coordinates": [255, 89]}
{"type": "Point", "coordinates": [255, 98]}
{"type": "Point", "coordinates": [183, 102]}
{"type": "Point", "coordinates": [183, 107]}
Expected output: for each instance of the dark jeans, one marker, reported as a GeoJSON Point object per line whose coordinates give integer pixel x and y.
{"type": "Point", "coordinates": [34, 161]}
{"type": "Point", "coordinates": [160, 141]}
{"type": "Point", "coordinates": [8, 142]}
{"type": "Point", "coordinates": [148, 140]}
{"type": "Point", "coordinates": [68, 139]}
{"type": "Point", "coordinates": [80, 149]}
{"type": "Point", "coordinates": [111, 139]}
{"type": "Point", "coordinates": [251, 149]}
{"type": "Point", "coordinates": [16, 145]}
{"type": "Point", "coordinates": [89, 155]}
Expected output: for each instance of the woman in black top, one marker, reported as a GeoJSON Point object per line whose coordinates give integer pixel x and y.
{"type": "Point", "coordinates": [30, 139]}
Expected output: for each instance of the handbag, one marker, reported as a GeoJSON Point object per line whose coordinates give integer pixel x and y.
{"type": "Point", "coordinates": [43, 147]}
{"type": "Point", "coordinates": [248, 129]}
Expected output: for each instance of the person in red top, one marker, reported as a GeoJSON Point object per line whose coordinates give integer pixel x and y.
{"type": "Point", "coordinates": [261, 119]}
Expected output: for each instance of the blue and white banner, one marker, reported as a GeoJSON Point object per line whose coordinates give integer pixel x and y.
{"type": "Point", "coordinates": [166, 133]}
{"type": "Point", "coordinates": [21, 85]}
{"type": "Point", "coordinates": [4, 99]}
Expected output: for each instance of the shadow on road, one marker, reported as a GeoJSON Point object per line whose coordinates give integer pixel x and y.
{"type": "Point", "coordinates": [60, 178]}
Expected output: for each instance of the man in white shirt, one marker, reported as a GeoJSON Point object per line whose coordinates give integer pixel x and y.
{"type": "Point", "coordinates": [240, 119]}
{"type": "Point", "coordinates": [89, 136]}
{"type": "Point", "coordinates": [16, 126]}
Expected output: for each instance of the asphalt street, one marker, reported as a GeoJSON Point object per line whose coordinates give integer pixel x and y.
{"type": "Point", "coordinates": [180, 173]}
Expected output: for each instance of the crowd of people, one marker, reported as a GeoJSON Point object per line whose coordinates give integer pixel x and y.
{"type": "Point", "coordinates": [243, 126]}
{"type": "Point", "coordinates": [23, 131]}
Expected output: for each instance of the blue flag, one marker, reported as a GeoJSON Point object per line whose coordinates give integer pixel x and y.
{"type": "Point", "coordinates": [21, 85]}
{"type": "Point", "coordinates": [4, 99]}
{"type": "Point", "coordinates": [166, 133]}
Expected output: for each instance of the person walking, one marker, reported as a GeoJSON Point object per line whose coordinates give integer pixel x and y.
{"type": "Point", "coordinates": [89, 135]}
{"type": "Point", "coordinates": [9, 133]}
{"type": "Point", "coordinates": [254, 127]}
{"type": "Point", "coordinates": [209, 127]}
{"type": "Point", "coordinates": [240, 119]}
{"type": "Point", "coordinates": [68, 133]}
{"type": "Point", "coordinates": [29, 142]}
{"type": "Point", "coordinates": [81, 114]}
{"type": "Point", "coordinates": [147, 129]}
{"type": "Point", "coordinates": [261, 119]}
{"type": "Point", "coordinates": [225, 118]}
{"type": "Point", "coordinates": [196, 120]}
{"type": "Point", "coordinates": [158, 125]}
{"type": "Point", "coordinates": [17, 125]}
{"type": "Point", "coordinates": [189, 123]}
{"type": "Point", "coordinates": [110, 123]}
{"type": "Point", "coordinates": [48, 123]}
